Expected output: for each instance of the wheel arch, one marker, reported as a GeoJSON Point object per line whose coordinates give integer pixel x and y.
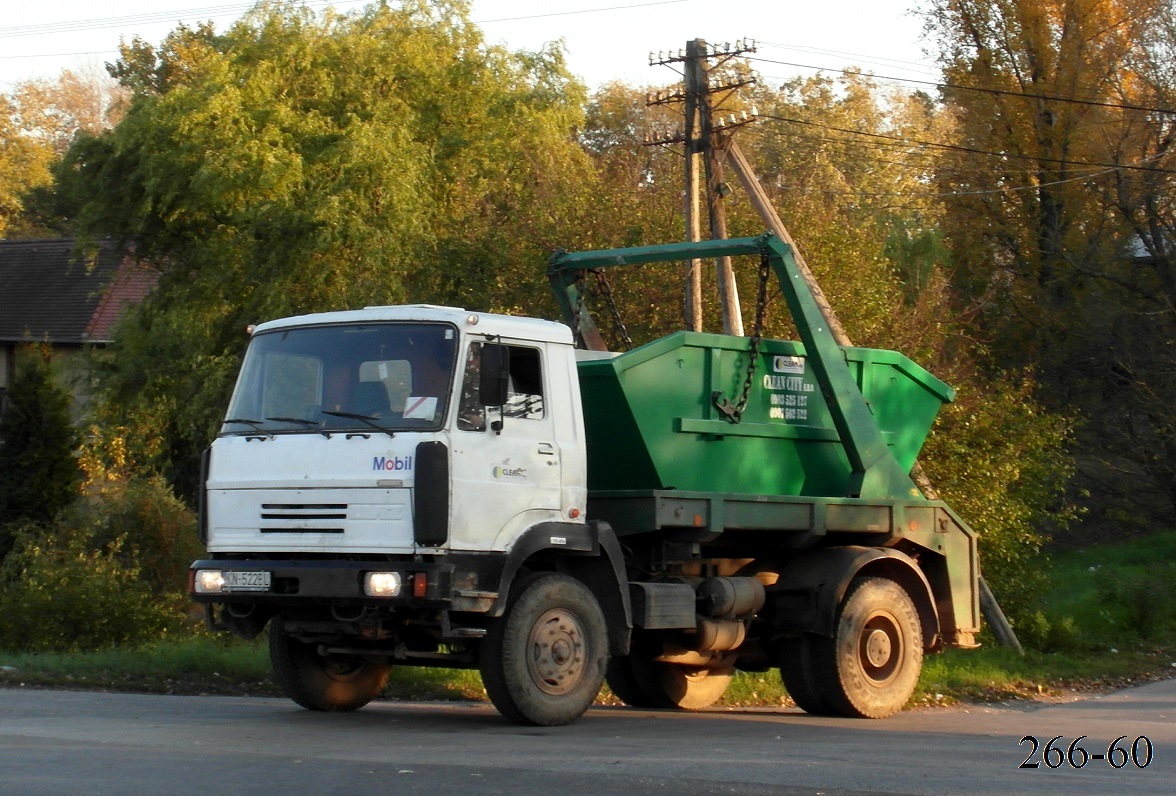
{"type": "Point", "coordinates": [811, 588]}
{"type": "Point", "coordinates": [588, 552]}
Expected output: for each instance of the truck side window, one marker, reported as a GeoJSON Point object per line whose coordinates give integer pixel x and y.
{"type": "Point", "coordinates": [525, 397]}
{"type": "Point", "coordinates": [526, 384]}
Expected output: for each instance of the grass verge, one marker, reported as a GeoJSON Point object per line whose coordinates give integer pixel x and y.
{"type": "Point", "coordinates": [1107, 623]}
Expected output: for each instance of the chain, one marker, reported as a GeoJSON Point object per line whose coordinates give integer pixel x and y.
{"type": "Point", "coordinates": [606, 291]}
{"type": "Point", "coordinates": [761, 304]}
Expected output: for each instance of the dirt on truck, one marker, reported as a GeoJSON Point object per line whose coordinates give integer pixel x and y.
{"type": "Point", "coordinates": [432, 486]}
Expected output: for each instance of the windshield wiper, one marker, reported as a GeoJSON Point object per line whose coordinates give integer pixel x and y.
{"type": "Point", "coordinates": [300, 420]}
{"type": "Point", "coordinates": [246, 421]}
{"type": "Point", "coordinates": [367, 420]}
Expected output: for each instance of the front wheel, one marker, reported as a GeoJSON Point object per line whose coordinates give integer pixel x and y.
{"type": "Point", "coordinates": [323, 682]}
{"type": "Point", "coordinates": [544, 660]}
{"type": "Point", "coordinates": [870, 668]}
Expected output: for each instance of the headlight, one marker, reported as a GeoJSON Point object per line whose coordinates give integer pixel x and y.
{"type": "Point", "coordinates": [381, 584]}
{"type": "Point", "coordinates": [209, 581]}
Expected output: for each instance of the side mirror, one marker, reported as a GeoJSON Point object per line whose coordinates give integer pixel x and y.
{"type": "Point", "coordinates": [494, 379]}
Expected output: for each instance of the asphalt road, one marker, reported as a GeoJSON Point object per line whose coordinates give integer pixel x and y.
{"type": "Point", "coordinates": [56, 742]}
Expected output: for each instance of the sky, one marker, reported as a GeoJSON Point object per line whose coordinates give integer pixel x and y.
{"type": "Point", "coordinates": [605, 39]}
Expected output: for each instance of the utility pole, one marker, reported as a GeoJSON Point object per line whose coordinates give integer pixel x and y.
{"type": "Point", "coordinates": [695, 75]}
{"type": "Point", "coordinates": [712, 143]}
{"type": "Point", "coordinates": [704, 135]}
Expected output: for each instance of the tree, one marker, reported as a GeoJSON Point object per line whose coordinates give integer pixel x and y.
{"type": "Point", "coordinates": [1061, 177]}
{"type": "Point", "coordinates": [54, 111]}
{"type": "Point", "coordinates": [38, 472]}
{"type": "Point", "coordinates": [37, 123]}
{"type": "Point", "coordinates": [24, 165]}
{"type": "Point", "coordinates": [298, 163]}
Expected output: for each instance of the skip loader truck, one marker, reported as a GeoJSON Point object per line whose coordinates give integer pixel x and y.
{"type": "Point", "coordinates": [430, 486]}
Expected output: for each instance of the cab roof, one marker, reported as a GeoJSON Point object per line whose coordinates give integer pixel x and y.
{"type": "Point", "coordinates": [475, 323]}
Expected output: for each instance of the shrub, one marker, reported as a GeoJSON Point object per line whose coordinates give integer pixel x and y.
{"type": "Point", "coordinates": [1137, 598]}
{"type": "Point", "coordinates": [1001, 462]}
{"type": "Point", "coordinates": [1046, 632]}
{"type": "Point", "coordinates": [59, 592]}
{"type": "Point", "coordinates": [38, 472]}
{"type": "Point", "coordinates": [158, 531]}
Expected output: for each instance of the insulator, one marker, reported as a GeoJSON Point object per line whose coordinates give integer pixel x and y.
{"type": "Point", "coordinates": [661, 56]}
{"type": "Point", "coordinates": [754, 111]}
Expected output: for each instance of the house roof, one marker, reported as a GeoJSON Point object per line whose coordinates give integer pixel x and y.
{"type": "Point", "coordinates": [48, 292]}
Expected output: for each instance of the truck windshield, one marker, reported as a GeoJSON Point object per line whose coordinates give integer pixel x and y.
{"type": "Point", "coordinates": [354, 377]}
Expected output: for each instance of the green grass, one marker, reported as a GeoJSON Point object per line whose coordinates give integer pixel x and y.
{"type": "Point", "coordinates": [203, 664]}
{"type": "Point", "coordinates": [1109, 621]}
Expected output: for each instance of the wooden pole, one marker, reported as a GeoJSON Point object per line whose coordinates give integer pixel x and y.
{"type": "Point", "coordinates": [711, 147]}
{"type": "Point", "coordinates": [715, 187]}
{"type": "Point", "coordinates": [695, 79]}
{"type": "Point", "coordinates": [763, 205]}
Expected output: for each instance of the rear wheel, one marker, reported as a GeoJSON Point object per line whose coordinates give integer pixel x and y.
{"type": "Point", "coordinates": [796, 670]}
{"type": "Point", "coordinates": [870, 668]}
{"type": "Point", "coordinates": [652, 683]}
{"type": "Point", "coordinates": [626, 686]}
{"type": "Point", "coordinates": [323, 682]}
{"type": "Point", "coordinates": [543, 661]}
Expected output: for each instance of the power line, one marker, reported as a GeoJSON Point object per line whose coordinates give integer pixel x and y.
{"type": "Point", "coordinates": [997, 91]}
{"type": "Point", "coordinates": [912, 66]}
{"type": "Point", "coordinates": [71, 26]}
{"type": "Point", "coordinates": [959, 148]}
{"type": "Point", "coordinates": [44, 28]}
{"type": "Point", "coordinates": [944, 194]}
{"type": "Point", "coordinates": [625, 7]}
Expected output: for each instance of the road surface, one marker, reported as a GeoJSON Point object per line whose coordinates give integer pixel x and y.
{"type": "Point", "coordinates": [54, 742]}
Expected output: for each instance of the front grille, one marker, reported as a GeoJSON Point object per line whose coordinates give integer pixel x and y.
{"type": "Point", "coordinates": [278, 517]}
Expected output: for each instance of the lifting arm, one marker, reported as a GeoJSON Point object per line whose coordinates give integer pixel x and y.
{"type": "Point", "coordinates": [875, 471]}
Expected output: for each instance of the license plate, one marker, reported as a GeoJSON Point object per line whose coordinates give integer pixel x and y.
{"type": "Point", "coordinates": [236, 580]}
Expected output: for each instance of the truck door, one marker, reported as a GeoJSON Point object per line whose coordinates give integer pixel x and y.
{"type": "Point", "coordinates": [506, 463]}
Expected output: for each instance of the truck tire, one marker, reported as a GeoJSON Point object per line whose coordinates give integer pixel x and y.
{"type": "Point", "coordinates": [323, 682]}
{"type": "Point", "coordinates": [543, 660]}
{"type": "Point", "coordinates": [871, 666]}
{"type": "Point", "coordinates": [797, 671]}
{"type": "Point", "coordinates": [673, 685]}
{"type": "Point", "coordinates": [624, 684]}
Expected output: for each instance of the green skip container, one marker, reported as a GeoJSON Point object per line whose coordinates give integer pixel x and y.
{"type": "Point", "coordinates": [652, 423]}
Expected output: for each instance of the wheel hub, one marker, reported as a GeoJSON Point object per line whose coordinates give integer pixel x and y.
{"type": "Point", "coordinates": [878, 648]}
{"type": "Point", "coordinates": [556, 652]}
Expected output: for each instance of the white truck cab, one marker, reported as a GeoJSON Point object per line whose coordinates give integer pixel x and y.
{"type": "Point", "coordinates": [342, 424]}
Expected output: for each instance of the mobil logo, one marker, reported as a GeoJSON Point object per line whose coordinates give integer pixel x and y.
{"type": "Point", "coordinates": [392, 463]}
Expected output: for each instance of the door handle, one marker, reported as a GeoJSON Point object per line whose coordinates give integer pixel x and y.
{"type": "Point", "coordinates": [546, 449]}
